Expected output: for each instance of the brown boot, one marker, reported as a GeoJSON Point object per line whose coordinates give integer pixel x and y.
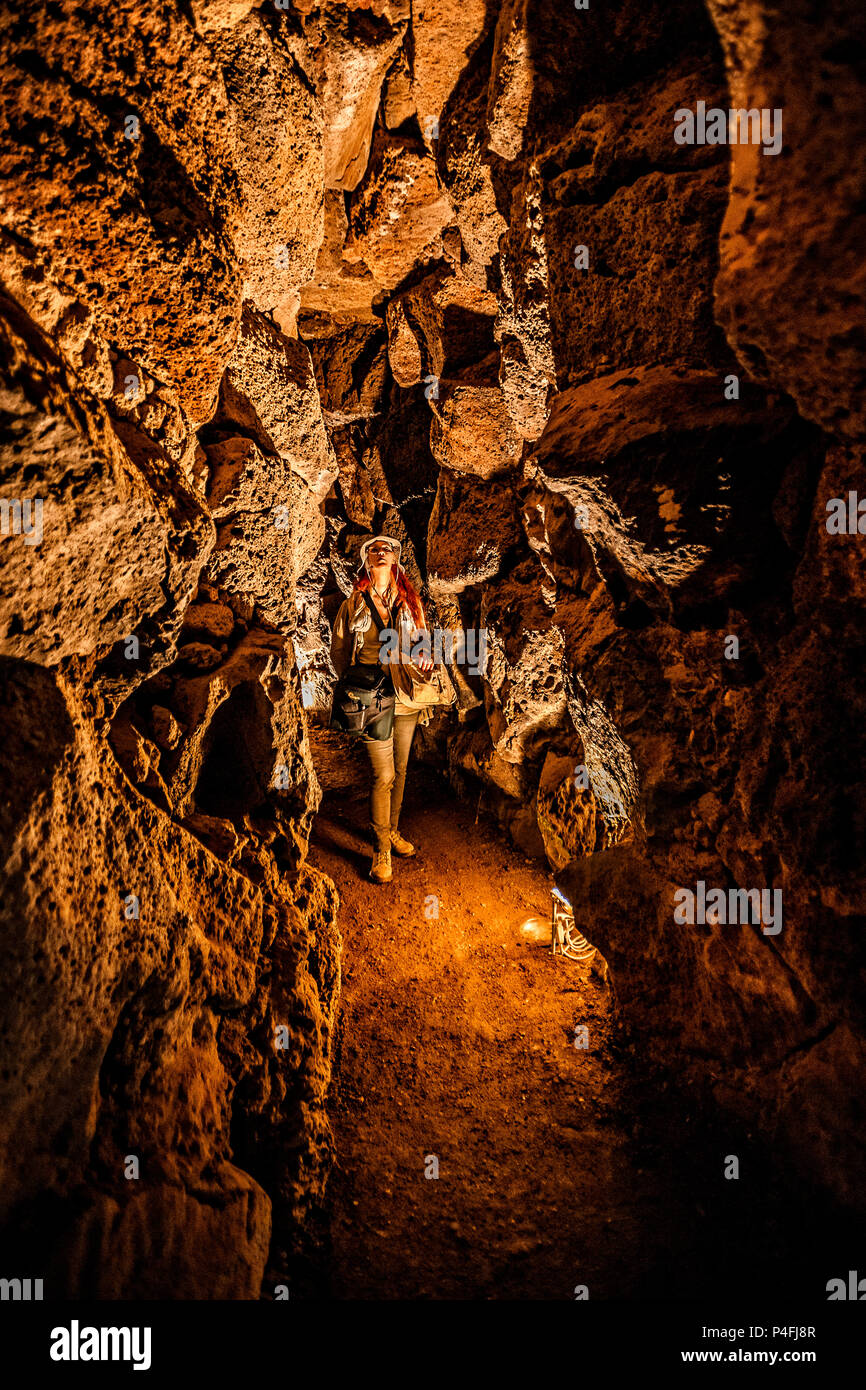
{"type": "Point", "coordinates": [401, 846]}
{"type": "Point", "coordinates": [380, 869]}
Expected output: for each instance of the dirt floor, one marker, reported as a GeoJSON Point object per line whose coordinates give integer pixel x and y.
{"type": "Point", "coordinates": [558, 1166]}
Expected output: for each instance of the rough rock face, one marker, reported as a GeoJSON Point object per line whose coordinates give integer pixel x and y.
{"type": "Point", "coordinates": [400, 186]}
{"type": "Point", "coordinates": [353, 49]}
{"type": "Point", "coordinates": [280, 153]}
{"type": "Point", "coordinates": [276, 277]}
{"type": "Point", "coordinates": [154, 711]}
{"type": "Point", "coordinates": [809, 273]}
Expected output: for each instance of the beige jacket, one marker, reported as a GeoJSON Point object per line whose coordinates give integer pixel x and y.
{"type": "Point", "coordinates": [347, 638]}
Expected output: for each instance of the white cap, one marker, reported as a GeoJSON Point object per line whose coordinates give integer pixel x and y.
{"type": "Point", "coordinates": [389, 540]}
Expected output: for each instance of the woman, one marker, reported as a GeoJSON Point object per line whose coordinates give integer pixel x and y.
{"type": "Point", "coordinates": [355, 639]}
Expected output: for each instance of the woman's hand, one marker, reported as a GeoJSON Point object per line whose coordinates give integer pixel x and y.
{"type": "Point", "coordinates": [423, 662]}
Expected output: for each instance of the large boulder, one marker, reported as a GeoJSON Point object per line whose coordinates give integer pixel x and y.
{"type": "Point", "coordinates": [351, 51]}
{"type": "Point", "coordinates": [792, 302]}
{"type": "Point", "coordinates": [397, 212]}
{"type": "Point", "coordinates": [472, 529]}
{"type": "Point", "coordinates": [277, 148]}
{"type": "Point", "coordinates": [90, 558]}
{"type": "Point", "coordinates": [443, 40]}
{"type": "Point", "coordinates": [439, 326]}
{"type": "Point", "coordinates": [464, 162]}
{"type": "Point", "coordinates": [511, 79]}
{"type": "Point", "coordinates": [340, 290]}
{"type": "Point", "coordinates": [269, 388]}
{"type": "Point", "coordinates": [526, 694]}
{"type": "Point", "coordinates": [350, 362]}
{"type": "Point", "coordinates": [472, 430]}
{"type": "Point", "coordinates": [270, 527]}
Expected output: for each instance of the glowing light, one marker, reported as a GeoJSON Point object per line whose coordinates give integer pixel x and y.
{"type": "Point", "coordinates": [536, 928]}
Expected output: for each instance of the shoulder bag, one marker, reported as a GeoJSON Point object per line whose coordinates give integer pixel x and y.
{"type": "Point", "coordinates": [428, 688]}
{"type": "Point", "coordinates": [364, 699]}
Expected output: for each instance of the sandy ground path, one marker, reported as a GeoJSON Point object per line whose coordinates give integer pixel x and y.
{"type": "Point", "coordinates": [457, 1041]}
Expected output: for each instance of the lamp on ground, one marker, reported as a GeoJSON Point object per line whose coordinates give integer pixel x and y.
{"type": "Point", "coordinates": [565, 938]}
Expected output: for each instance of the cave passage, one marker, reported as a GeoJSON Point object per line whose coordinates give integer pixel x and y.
{"type": "Point", "coordinates": [278, 277]}
{"type": "Point", "coordinates": [482, 1150]}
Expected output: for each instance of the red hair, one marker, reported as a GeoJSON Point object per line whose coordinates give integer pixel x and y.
{"type": "Point", "coordinates": [406, 593]}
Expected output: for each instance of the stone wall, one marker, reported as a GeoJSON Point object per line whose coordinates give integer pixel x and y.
{"type": "Point", "coordinates": [273, 278]}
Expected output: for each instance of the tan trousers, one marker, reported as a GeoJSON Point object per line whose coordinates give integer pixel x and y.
{"type": "Point", "coordinates": [389, 759]}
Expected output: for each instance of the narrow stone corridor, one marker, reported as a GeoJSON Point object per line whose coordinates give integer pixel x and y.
{"type": "Point", "coordinates": [457, 1042]}
{"type": "Point", "coordinates": [563, 307]}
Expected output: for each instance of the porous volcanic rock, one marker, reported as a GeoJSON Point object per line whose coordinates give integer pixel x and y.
{"type": "Point", "coordinates": [397, 212]}
{"type": "Point", "coordinates": [802, 274]}
{"type": "Point", "coordinates": [350, 50]}
{"type": "Point", "coordinates": [269, 389]}
{"type": "Point", "coordinates": [276, 278]}
{"type": "Point", "coordinates": [440, 325]}
{"type": "Point", "coordinates": [472, 527]}
{"type": "Point", "coordinates": [280, 153]}
{"type": "Point", "coordinates": [473, 431]}
{"type": "Point", "coordinates": [444, 37]}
